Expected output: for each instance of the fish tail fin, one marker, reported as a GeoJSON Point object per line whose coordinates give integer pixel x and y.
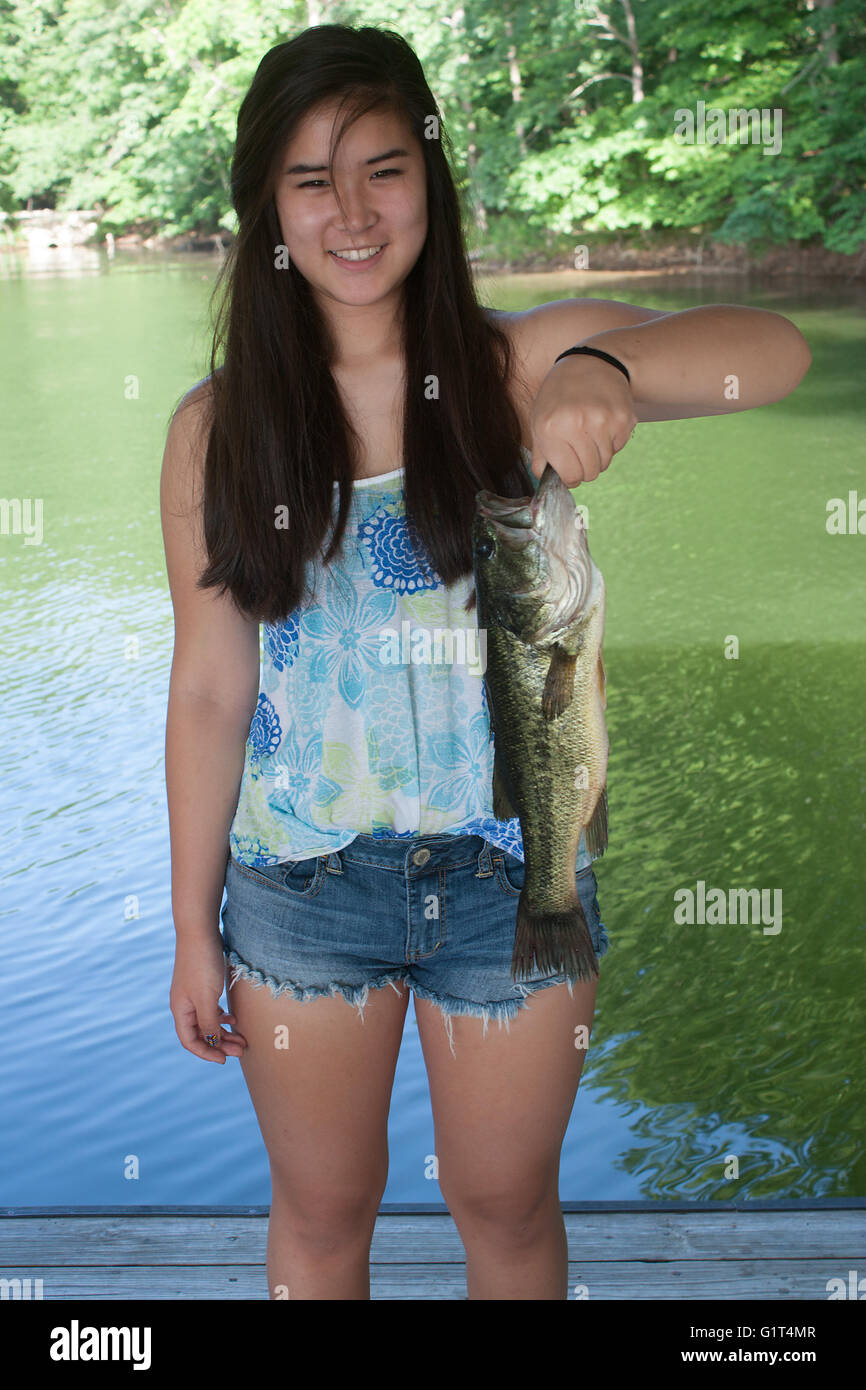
{"type": "Point", "coordinates": [558, 941]}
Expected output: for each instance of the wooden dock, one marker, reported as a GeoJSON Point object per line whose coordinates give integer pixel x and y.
{"type": "Point", "coordinates": [617, 1250]}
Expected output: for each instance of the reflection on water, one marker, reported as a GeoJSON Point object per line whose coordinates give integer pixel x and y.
{"type": "Point", "coordinates": [712, 1041]}
{"type": "Point", "coordinates": [731, 1038]}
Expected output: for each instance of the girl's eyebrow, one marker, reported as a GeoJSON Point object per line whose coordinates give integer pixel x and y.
{"type": "Point", "coordinates": [321, 168]}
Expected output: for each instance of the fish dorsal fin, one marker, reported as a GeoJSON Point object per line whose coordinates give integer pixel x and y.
{"type": "Point", "coordinates": [596, 827]}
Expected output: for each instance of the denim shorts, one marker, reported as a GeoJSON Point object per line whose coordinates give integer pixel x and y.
{"type": "Point", "coordinates": [437, 912]}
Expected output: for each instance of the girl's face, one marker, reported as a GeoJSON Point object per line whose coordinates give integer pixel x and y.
{"type": "Point", "coordinates": [385, 202]}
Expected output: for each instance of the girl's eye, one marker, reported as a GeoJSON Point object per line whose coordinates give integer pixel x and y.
{"type": "Point", "coordinates": [312, 182]}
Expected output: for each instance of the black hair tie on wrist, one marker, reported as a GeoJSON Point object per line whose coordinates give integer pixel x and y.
{"type": "Point", "coordinates": [597, 352]}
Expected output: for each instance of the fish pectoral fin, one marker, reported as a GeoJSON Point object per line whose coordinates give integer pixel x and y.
{"type": "Point", "coordinates": [558, 690]}
{"type": "Point", "coordinates": [503, 808]}
{"type": "Point", "coordinates": [596, 827]}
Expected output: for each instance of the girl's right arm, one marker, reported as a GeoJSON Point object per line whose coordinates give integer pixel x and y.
{"type": "Point", "coordinates": [212, 697]}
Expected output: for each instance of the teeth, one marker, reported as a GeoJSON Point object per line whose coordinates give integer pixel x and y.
{"type": "Point", "coordinates": [357, 255]}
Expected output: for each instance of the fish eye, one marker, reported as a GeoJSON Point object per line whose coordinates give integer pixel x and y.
{"type": "Point", "coordinates": [485, 547]}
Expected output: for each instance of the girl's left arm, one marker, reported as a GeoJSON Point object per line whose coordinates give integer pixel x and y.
{"type": "Point", "coordinates": [712, 360]}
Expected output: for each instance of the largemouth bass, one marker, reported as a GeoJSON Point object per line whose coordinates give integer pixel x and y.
{"type": "Point", "coordinates": [541, 600]}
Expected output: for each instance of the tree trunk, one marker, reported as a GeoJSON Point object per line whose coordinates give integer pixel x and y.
{"type": "Point", "coordinates": [827, 42]}
{"type": "Point", "coordinates": [455, 24]}
{"type": "Point", "coordinates": [516, 83]}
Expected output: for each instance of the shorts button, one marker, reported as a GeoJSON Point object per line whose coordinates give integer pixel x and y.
{"type": "Point", "coordinates": [420, 856]}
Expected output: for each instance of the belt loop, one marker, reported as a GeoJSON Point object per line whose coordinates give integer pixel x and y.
{"type": "Point", "coordinates": [485, 867]}
{"type": "Point", "coordinates": [333, 862]}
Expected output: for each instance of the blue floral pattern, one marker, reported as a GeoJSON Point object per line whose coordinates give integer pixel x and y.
{"type": "Point", "coordinates": [265, 732]}
{"type": "Point", "coordinates": [346, 629]}
{"type": "Point", "coordinates": [398, 557]}
{"type": "Point", "coordinates": [281, 642]}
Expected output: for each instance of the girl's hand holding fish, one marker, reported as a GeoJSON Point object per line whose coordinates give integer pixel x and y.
{"type": "Point", "coordinates": [582, 415]}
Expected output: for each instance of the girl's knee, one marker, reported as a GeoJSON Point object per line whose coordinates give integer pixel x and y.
{"type": "Point", "coordinates": [517, 1209]}
{"type": "Point", "coordinates": [325, 1217]}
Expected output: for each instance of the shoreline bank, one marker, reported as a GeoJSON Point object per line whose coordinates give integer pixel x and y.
{"type": "Point", "coordinates": [648, 251]}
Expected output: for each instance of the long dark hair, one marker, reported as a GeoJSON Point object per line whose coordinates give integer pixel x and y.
{"type": "Point", "coordinates": [279, 435]}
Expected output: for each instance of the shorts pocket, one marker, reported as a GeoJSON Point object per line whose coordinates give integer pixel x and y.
{"type": "Point", "coordinates": [296, 877]}
{"type": "Point", "coordinates": [587, 889]}
{"type": "Point", "coordinates": [510, 873]}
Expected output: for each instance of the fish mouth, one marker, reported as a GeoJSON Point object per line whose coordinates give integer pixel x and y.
{"type": "Point", "coordinates": [551, 500]}
{"type": "Point", "coordinates": [548, 519]}
{"type": "Point", "coordinates": [512, 518]}
{"type": "Point", "coordinates": [547, 516]}
{"type": "Point", "coordinates": [517, 510]}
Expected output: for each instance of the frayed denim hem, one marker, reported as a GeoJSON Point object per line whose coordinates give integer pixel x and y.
{"type": "Point", "coordinates": [356, 995]}
{"type": "Point", "coordinates": [502, 1010]}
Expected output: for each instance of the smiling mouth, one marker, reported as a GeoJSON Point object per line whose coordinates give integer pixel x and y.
{"type": "Point", "coordinates": [364, 253]}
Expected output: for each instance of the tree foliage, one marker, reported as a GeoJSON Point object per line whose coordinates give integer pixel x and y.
{"type": "Point", "coordinates": [565, 110]}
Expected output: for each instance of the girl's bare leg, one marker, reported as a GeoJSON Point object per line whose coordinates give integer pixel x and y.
{"type": "Point", "coordinates": [322, 1106]}
{"type": "Point", "coordinates": [501, 1110]}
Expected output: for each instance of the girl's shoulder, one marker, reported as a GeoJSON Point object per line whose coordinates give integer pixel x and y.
{"type": "Point", "coordinates": [200, 392]}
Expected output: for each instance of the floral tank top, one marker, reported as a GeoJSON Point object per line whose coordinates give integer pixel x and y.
{"type": "Point", "coordinates": [372, 715]}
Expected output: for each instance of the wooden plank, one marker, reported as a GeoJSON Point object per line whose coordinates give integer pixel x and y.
{"type": "Point", "coordinates": [744, 1204]}
{"type": "Point", "coordinates": [628, 1280]}
{"type": "Point", "coordinates": [433, 1238]}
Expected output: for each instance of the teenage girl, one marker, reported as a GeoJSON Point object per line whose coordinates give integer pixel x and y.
{"type": "Point", "coordinates": [321, 481]}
